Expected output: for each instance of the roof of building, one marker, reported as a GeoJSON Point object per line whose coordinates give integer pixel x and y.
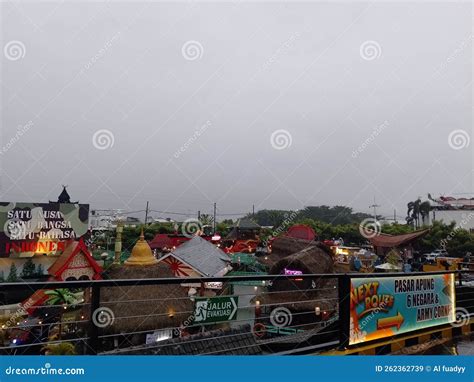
{"type": "Point", "coordinates": [391, 241]}
{"type": "Point", "coordinates": [202, 256]}
{"type": "Point", "coordinates": [64, 197]}
{"type": "Point", "coordinates": [238, 341]}
{"type": "Point", "coordinates": [71, 250]}
{"type": "Point", "coordinates": [301, 231]}
{"type": "Point", "coordinates": [246, 223]}
{"type": "Point", "coordinates": [243, 258]}
{"type": "Point", "coordinates": [160, 241]}
{"type": "Point", "coordinates": [132, 307]}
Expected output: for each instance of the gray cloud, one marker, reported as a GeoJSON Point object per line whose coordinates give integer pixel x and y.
{"type": "Point", "coordinates": [260, 67]}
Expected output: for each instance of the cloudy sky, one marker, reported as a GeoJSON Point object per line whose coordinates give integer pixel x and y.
{"type": "Point", "coordinates": [280, 105]}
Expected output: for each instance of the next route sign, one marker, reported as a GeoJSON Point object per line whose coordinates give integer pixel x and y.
{"type": "Point", "coordinates": [215, 309]}
{"type": "Point", "coordinates": [385, 307]}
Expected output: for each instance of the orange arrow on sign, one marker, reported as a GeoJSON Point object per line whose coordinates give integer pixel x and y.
{"type": "Point", "coordinates": [388, 322]}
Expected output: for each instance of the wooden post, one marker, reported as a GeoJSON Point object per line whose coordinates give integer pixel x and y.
{"type": "Point", "coordinates": [93, 341]}
{"type": "Point", "coordinates": [344, 291]}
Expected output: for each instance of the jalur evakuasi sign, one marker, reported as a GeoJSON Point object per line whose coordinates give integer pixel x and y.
{"type": "Point", "coordinates": [215, 309]}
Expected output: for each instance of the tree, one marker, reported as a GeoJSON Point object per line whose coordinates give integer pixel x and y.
{"type": "Point", "coordinates": [273, 218]}
{"type": "Point", "coordinates": [223, 228]}
{"type": "Point", "coordinates": [63, 348]}
{"type": "Point", "coordinates": [39, 270]}
{"type": "Point", "coordinates": [425, 208]}
{"type": "Point", "coordinates": [29, 269]}
{"type": "Point", "coordinates": [60, 297]}
{"type": "Point", "coordinates": [13, 275]}
{"type": "Point", "coordinates": [336, 215]}
{"type": "Point", "coordinates": [206, 219]}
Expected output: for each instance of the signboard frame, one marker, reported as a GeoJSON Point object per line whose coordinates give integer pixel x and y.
{"type": "Point", "coordinates": [395, 313]}
{"type": "Point", "coordinates": [29, 229]}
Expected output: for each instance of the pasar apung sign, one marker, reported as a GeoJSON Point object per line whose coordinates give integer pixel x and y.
{"type": "Point", "coordinates": [28, 229]}
{"type": "Point", "coordinates": [385, 307]}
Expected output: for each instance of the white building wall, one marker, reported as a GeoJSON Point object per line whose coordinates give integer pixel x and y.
{"type": "Point", "coordinates": [463, 218]}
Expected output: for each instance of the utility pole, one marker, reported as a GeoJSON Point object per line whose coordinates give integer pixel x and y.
{"type": "Point", "coordinates": [199, 215]}
{"type": "Point", "coordinates": [214, 220]}
{"type": "Point", "coordinates": [374, 206]}
{"type": "Point", "coordinates": [394, 216]}
{"type": "Point", "coordinates": [253, 210]}
{"type": "Point", "coordinates": [146, 214]}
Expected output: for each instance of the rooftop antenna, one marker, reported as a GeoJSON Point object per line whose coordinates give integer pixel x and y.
{"type": "Point", "coordinates": [374, 206]}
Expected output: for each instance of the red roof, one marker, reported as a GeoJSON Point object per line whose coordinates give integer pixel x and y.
{"type": "Point", "coordinates": [390, 241]}
{"type": "Point", "coordinates": [160, 241]}
{"type": "Point", "coordinates": [72, 249]}
{"type": "Point", "coordinates": [301, 231]}
{"type": "Point", "coordinates": [35, 300]}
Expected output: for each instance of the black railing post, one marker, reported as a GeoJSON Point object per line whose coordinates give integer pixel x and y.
{"type": "Point", "coordinates": [460, 273]}
{"type": "Point", "coordinates": [344, 291]}
{"type": "Point", "coordinates": [93, 340]}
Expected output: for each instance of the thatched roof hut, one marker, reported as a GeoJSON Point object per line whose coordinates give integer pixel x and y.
{"type": "Point", "coordinates": [309, 260]}
{"type": "Point", "coordinates": [132, 306]}
{"type": "Point", "coordinates": [140, 308]}
{"type": "Point", "coordinates": [302, 294]}
{"type": "Point", "coordinates": [284, 246]}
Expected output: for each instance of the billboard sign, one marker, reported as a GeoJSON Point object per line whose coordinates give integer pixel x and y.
{"type": "Point", "coordinates": [27, 229]}
{"type": "Point", "coordinates": [384, 307]}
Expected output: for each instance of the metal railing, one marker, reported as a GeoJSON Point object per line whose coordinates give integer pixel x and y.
{"type": "Point", "coordinates": [255, 330]}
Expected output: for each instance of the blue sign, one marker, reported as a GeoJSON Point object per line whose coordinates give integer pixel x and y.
{"type": "Point", "coordinates": [386, 307]}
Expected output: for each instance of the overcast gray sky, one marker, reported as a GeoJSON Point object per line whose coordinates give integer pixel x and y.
{"type": "Point", "coordinates": [280, 105]}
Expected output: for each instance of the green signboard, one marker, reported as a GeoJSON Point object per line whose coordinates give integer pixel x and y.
{"type": "Point", "coordinates": [385, 307]}
{"type": "Point", "coordinates": [215, 309]}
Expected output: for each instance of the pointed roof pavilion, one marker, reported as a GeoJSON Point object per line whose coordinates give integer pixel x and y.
{"type": "Point", "coordinates": [64, 197]}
